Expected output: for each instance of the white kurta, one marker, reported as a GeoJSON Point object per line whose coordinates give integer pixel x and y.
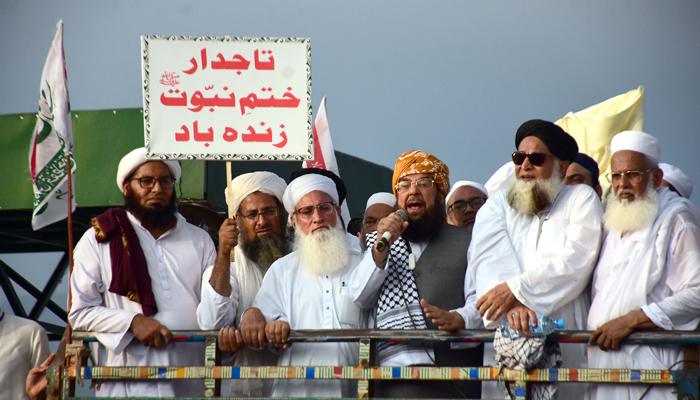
{"type": "Point", "coordinates": [654, 269]}
{"type": "Point", "coordinates": [216, 311]}
{"type": "Point", "coordinates": [176, 262]}
{"type": "Point", "coordinates": [546, 259]}
{"type": "Point", "coordinates": [23, 346]}
{"type": "Point", "coordinates": [306, 301]}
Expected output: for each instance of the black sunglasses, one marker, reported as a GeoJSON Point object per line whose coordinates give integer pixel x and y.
{"type": "Point", "coordinates": [536, 159]}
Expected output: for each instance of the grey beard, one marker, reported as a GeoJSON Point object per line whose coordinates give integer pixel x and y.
{"type": "Point", "coordinates": [469, 227]}
{"type": "Point", "coordinates": [265, 250]}
{"type": "Point", "coordinates": [532, 197]}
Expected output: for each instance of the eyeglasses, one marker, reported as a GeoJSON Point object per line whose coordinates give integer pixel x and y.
{"type": "Point", "coordinates": [536, 159]}
{"type": "Point", "coordinates": [461, 205]}
{"type": "Point", "coordinates": [308, 212]}
{"type": "Point", "coordinates": [149, 182]}
{"type": "Point", "coordinates": [422, 184]}
{"type": "Point", "coordinates": [633, 176]}
{"type": "Point", "coordinates": [268, 213]}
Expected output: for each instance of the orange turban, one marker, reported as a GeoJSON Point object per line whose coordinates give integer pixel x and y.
{"type": "Point", "coordinates": [420, 162]}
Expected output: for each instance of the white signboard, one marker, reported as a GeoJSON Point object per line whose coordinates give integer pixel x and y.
{"type": "Point", "coordinates": [227, 98]}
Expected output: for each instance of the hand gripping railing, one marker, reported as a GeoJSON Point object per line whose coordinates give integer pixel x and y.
{"type": "Point", "coordinates": [62, 379]}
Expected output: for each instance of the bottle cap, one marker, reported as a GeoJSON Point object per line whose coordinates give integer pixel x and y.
{"type": "Point", "coordinates": [559, 323]}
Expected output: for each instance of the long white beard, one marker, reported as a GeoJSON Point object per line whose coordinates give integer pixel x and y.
{"type": "Point", "coordinates": [324, 252]}
{"type": "Point", "coordinates": [622, 215]}
{"type": "Point", "coordinates": [533, 196]}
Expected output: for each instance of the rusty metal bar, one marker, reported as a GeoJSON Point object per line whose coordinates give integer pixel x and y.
{"type": "Point", "coordinates": [469, 336]}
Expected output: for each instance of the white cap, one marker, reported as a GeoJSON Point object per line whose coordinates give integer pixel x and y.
{"type": "Point", "coordinates": [381, 198]}
{"type": "Point", "coordinates": [136, 158]}
{"type": "Point", "coordinates": [678, 179]}
{"type": "Point", "coordinates": [500, 178]}
{"type": "Point", "coordinates": [459, 184]}
{"type": "Point", "coordinates": [636, 141]}
{"type": "Point", "coordinates": [262, 181]}
{"type": "Point", "coordinates": [306, 184]}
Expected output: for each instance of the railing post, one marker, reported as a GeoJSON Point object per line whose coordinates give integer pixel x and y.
{"type": "Point", "coordinates": [688, 384]}
{"type": "Point", "coordinates": [74, 360]}
{"type": "Point", "coordinates": [365, 353]}
{"type": "Point", "coordinates": [53, 388]}
{"type": "Point", "coordinates": [521, 390]}
{"type": "Point", "coordinates": [67, 384]}
{"type": "Point", "coordinates": [54, 374]}
{"type": "Point", "coordinates": [212, 386]}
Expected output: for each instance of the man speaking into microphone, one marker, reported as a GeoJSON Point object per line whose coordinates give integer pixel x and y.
{"type": "Point", "coordinates": [413, 280]}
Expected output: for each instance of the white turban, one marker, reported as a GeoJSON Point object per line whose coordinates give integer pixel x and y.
{"type": "Point", "coordinates": [636, 141]}
{"type": "Point", "coordinates": [500, 178]}
{"type": "Point", "coordinates": [381, 198]}
{"type": "Point", "coordinates": [678, 179]}
{"type": "Point", "coordinates": [306, 184]}
{"type": "Point", "coordinates": [132, 161]}
{"type": "Point", "coordinates": [263, 181]}
{"type": "Point", "coordinates": [459, 184]}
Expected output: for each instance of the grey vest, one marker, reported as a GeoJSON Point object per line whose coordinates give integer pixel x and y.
{"type": "Point", "coordinates": [440, 273]}
{"type": "Point", "coordinates": [441, 268]}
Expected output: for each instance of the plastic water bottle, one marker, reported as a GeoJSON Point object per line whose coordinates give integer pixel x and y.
{"type": "Point", "coordinates": [545, 326]}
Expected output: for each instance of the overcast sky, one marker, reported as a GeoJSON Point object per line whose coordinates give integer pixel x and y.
{"type": "Point", "coordinates": [453, 78]}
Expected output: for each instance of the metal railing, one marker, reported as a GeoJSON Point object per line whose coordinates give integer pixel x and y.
{"type": "Point", "coordinates": [62, 380]}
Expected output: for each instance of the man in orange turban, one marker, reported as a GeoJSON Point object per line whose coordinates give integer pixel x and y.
{"type": "Point", "coordinates": [421, 276]}
{"type": "Point", "coordinates": [420, 162]}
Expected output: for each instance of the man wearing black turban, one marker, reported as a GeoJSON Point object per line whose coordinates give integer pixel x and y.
{"type": "Point", "coordinates": [534, 247]}
{"type": "Point", "coordinates": [584, 171]}
{"type": "Point", "coordinates": [560, 143]}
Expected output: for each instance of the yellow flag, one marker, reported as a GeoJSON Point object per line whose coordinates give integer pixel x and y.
{"type": "Point", "coordinates": [594, 127]}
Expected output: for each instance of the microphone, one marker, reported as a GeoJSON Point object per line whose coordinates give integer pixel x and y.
{"type": "Point", "coordinates": [384, 241]}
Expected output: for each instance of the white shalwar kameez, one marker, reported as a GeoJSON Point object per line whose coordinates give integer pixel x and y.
{"type": "Point", "coordinates": [656, 269]}
{"type": "Point", "coordinates": [546, 259]}
{"type": "Point", "coordinates": [176, 261]}
{"type": "Point", "coordinates": [24, 345]}
{"type": "Point", "coordinates": [307, 301]}
{"type": "Point", "coordinates": [217, 311]}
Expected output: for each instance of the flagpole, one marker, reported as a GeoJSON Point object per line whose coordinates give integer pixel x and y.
{"type": "Point", "coordinates": [70, 243]}
{"type": "Point", "coordinates": [229, 196]}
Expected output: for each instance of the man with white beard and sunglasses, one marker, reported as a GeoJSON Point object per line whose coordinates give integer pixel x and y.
{"type": "Point", "coordinates": [308, 289]}
{"type": "Point", "coordinates": [647, 276]}
{"type": "Point", "coordinates": [534, 245]}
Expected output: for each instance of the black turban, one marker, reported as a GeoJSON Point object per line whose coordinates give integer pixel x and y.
{"type": "Point", "coordinates": [559, 143]}
{"type": "Point", "coordinates": [355, 224]}
{"type": "Point", "coordinates": [588, 163]}
{"type": "Point", "coordinates": [339, 184]}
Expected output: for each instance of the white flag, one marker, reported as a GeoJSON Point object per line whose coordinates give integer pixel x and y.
{"type": "Point", "coordinates": [324, 155]}
{"type": "Point", "coordinates": [52, 141]}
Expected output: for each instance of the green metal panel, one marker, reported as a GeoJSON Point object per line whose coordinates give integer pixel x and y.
{"type": "Point", "coordinates": [16, 182]}
{"type": "Point", "coordinates": [101, 139]}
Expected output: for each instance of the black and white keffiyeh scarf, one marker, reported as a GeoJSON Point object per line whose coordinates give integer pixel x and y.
{"type": "Point", "coordinates": [524, 354]}
{"type": "Point", "coordinates": [392, 311]}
